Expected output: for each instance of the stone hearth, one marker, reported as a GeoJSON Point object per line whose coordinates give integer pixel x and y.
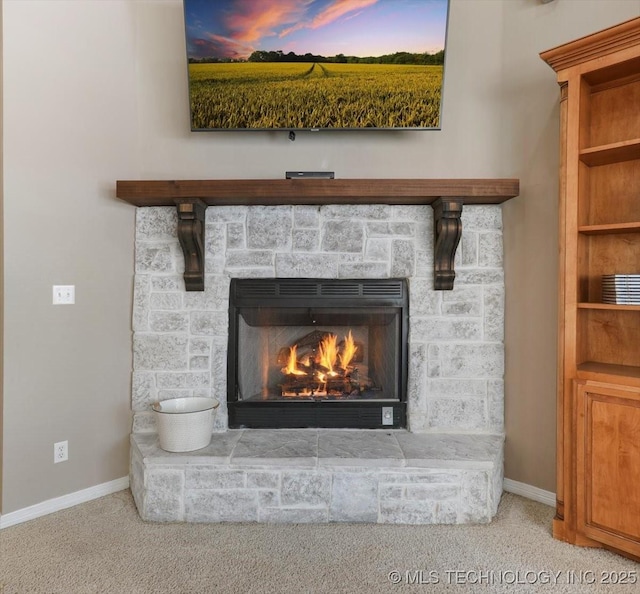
{"type": "Point", "coordinates": [308, 475]}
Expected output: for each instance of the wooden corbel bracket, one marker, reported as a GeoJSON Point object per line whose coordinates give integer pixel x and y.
{"type": "Point", "coordinates": [191, 225]}
{"type": "Point", "coordinates": [448, 230]}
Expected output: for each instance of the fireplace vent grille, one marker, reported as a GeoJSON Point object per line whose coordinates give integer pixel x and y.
{"type": "Point", "coordinates": [255, 289]}
{"type": "Point", "coordinates": [297, 288]}
{"type": "Point", "coordinates": [388, 289]}
{"type": "Point", "coordinates": [343, 290]}
{"type": "Point", "coordinates": [266, 288]}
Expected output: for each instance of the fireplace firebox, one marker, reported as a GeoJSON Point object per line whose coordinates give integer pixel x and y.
{"type": "Point", "coordinates": [317, 353]}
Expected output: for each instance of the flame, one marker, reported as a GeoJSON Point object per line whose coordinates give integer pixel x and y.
{"type": "Point", "coordinates": [348, 352]}
{"type": "Point", "coordinates": [291, 368]}
{"type": "Point", "coordinates": [321, 368]}
{"type": "Point", "coordinates": [328, 353]}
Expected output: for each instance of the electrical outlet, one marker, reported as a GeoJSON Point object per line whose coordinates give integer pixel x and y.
{"type": "Point", "coordinates": [64, 294]}
{"type": "Point", "coordinates": [60, 451]}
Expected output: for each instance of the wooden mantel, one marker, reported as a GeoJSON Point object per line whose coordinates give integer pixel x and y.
{"type": "Point", "coordinates": [191, 197]}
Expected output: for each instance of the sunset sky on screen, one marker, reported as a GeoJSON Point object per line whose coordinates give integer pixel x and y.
{"type": "Point", "coordinates": [236, 28]}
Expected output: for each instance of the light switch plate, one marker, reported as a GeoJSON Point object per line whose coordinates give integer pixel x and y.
{"type": "Point", "coordinates": [64, 294]}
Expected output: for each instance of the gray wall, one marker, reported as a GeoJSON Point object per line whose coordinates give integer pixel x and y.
{"type": "Point", "coordinates": [1, 273]}
{"type": "Point", "coordinates": [530, 150]}
{"type": "Point", "coordinates": [96, 91]}
{"type": "Point", "coordinates": [69, 133]}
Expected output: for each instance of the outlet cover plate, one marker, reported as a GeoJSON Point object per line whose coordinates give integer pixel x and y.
{"type": "Point", "coordinates": [60, 451]}
{"type": "Point", "coordinates": [387, 415]}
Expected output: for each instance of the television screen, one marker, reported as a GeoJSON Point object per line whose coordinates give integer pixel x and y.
{"type": "Point", "coordinates": [315, 64]}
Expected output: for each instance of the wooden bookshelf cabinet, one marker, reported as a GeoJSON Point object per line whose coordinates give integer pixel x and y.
{"type": "Point", "coordinates": [598, 472]}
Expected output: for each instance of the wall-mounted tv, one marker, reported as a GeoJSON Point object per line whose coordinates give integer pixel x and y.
{"type": "Point", "coordinates": [315, 64]}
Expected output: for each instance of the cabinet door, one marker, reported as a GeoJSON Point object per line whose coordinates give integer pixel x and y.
{"type": "Point", "coordinates": [608, 464]}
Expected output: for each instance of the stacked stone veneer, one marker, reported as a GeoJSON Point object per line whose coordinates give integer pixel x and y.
{"type": "Point", "coordinates": [321, 475]}
{"type": "Point", "coordinates": [456, 355]}
{"type": "Point", "coordinates": [456, 337]}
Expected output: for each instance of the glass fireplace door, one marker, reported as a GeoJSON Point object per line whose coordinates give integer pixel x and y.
{"type": "Point", "coordinates": [318, 354]}
{"type": "Point", "coordinates": [297, 357]}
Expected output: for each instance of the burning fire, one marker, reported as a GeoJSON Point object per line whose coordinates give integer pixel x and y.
{"type": "Point", "coordinates": [292, 363]}
{"type": "Point", "coordinates": [324, 368]}
{"type": "Point", "coordinates": [348, 352]}
{"type": "Point", "coordinates": [325, 363]}
{"type": "Point", "coordinates": [328, 353]}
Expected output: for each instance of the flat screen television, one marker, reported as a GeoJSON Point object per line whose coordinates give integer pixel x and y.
{"type": "Point", "coordinates": [315, 64]}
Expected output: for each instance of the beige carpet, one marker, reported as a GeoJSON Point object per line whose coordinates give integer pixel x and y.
{"type": "Point", "coordinates": [103, 547]}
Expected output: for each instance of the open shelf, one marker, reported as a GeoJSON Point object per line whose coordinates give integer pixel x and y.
{"type": "Point", "coordinates": [602, 254]}
{"type": "Point", "coordinates": [610, 306]}
{"type": "Point", "coordinates": [608, 229]}
{"type": "Point", "coordinates": [616, 152]}
{"type": "Point", "coordinates": [592, 370]}
{"type": "Point", "coordinates": [609, 334]}
{"type": "Point", "coordinates": [608, 197]}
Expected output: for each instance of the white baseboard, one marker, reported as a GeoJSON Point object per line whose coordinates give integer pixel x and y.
{"type": "Point", "coordinates": [530, 492]}
{"type": "Point", "coordinates": [59, 503]}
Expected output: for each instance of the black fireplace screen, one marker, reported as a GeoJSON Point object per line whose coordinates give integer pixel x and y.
{"type": "Point", "coordinates": [317, 353]}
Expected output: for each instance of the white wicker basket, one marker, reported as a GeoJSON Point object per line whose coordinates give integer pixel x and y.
{"type": "Point", "coordinates": [185, 424]}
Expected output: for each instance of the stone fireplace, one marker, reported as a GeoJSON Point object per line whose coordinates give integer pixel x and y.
{"type": "Point", "coordinates": [440, 460]}
{"type": "Point", "coordinates": [455, 345]}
